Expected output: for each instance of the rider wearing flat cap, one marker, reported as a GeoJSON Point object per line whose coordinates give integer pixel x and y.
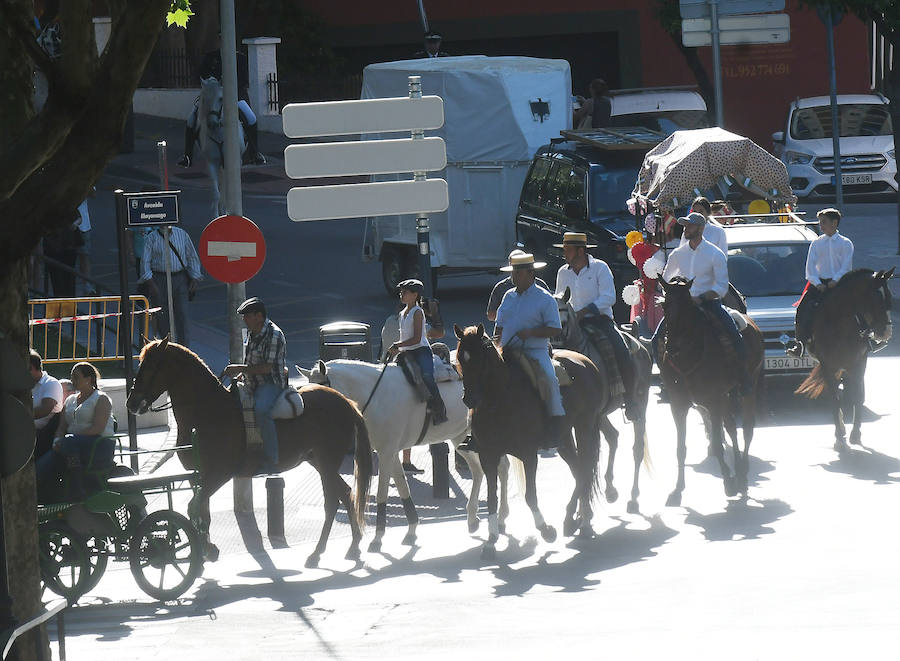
{"type": "Point", "coordinates": [706, 266]}
{"type": "Point", "coordinates": [264, 372]}
{"type": "Point", "coordinates": [526, 319]}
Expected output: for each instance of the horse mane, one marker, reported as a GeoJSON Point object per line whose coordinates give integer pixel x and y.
{"type": "Point", "coordinates": [492, 354]}
{"type": "Point", "coordinates": [855, 275]}
{"type": "Point", "coordinates": [185, 354]}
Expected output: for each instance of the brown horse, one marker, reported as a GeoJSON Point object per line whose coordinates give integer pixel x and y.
{"type": "Point", "coordinates": [326, 431]}
{"type": "Point", "coordinates": [573, 338]}
{"type": "Point", "coordinates": [853, 313]}
{"type": "Point", "coordinates": [695, 368]}
{"type": "Point", "coordinates": [508, 417]}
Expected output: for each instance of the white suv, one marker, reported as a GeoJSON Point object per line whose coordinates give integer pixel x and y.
{"type": "Point", "coordinates": [767, 263]}
{"type": "Point", "coordinates": [868, 161]}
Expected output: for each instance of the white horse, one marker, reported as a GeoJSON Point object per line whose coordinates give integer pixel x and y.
{"type": "Point", "coordinates": [211, 123]}
{"type": "Point", "coordinates": [394, 417]}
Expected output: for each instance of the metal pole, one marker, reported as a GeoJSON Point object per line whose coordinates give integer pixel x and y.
{"type": "Point", "coordinates": [167, 251]}
{"type": "Point", "coordinates": [423, 18]}
{"type": "Point", "coordinates": [125, 332]}
{"type": "Point", "coordinates": [242, 488]}
{"type": "Point", "coordinates": [717, 61]}
{"type": "Point", "coordinates": [835, 120]}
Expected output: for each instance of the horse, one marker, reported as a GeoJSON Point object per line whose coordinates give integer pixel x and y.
{"type": "Point", "coordinates": [573, 338]}
{"type": "Point", "coordinates": [694, 368]}
{"type": "Point", "coordinates": [395, 417]}
{"type": "Point", "coordinates": [508, 417]}
{"type": "Point", "coordinates": [853, 313]}
{"type": "Point", "coordinates": [211, 137]}
{"type": "Point", "coordinates": [322, 435]}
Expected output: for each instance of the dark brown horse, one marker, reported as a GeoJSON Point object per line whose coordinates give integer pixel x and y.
{"type": "Point", "coordinates": [327, 430]}
{"type": "Point", "coordinates": [573, 338]}
{"type": "Point", "coordinates": [508, 417]}
{"type": "Point", "coordinates": [696, 368]}
{"type": "Point", "coordinates": [853, 313]}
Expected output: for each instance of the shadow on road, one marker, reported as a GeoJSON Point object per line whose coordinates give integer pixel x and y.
{"type": "Point", "coordinates": [741, 519]}
{"type": "Point", "coordinates": [866, 464]}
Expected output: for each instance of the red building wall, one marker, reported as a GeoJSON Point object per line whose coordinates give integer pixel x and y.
{"type": "Point", "coordinates": [758, 81]}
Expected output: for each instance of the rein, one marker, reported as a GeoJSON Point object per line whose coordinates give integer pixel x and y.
{"type": "Point", "coordinates": [374, 388]}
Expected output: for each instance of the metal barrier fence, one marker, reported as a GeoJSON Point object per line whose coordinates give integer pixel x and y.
{"type": "Point", "coordinates": [272, 93]}
{"type": "Point", "coordinates": [67, 330]}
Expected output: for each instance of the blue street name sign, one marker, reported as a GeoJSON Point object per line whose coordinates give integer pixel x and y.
{"type": "Point", "coordinates": [159, 208]}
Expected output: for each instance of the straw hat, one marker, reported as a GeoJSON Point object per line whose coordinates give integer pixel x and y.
{"type": "Point", "coordinates": [522, 260]}
{"type": "Point", "coordinates": [574, 239]}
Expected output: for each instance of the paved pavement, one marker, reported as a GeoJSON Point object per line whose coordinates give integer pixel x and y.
{"type": "Point", "coordinates": [252, 580]}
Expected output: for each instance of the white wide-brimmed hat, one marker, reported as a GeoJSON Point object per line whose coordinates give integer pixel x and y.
{"type": "Point", "coordinates": [522, 260]}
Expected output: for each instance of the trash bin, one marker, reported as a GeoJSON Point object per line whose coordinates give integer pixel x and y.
{"type": "Point", "coordinates": [345, 339]}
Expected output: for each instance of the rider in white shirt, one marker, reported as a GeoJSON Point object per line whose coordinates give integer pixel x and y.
{"type": "Point", "coordinates": [830, 258]}
{"type": "Point", "coordinates": [593, 293]}
{"type": "Point", "coordinates": [707, 266]}
{"type": "Point", "coordinates": [713, 232]}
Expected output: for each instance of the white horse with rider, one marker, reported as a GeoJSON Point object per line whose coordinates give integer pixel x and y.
{"type": "Point", "coordinates": [396, 419]}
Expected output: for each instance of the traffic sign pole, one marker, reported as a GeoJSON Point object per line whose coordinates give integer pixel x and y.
{"type": "Point", "coordinates": [835, 120]}
{"type": "Point", "coordinates": [164, 184]}
{"type": "Point", "coordinates": [125, 336]}
{"type": "Point", "coordinates": [717, 61]}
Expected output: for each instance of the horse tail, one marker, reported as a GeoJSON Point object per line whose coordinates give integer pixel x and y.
{"type": "Point", "coordinates": [647, 459]}
{"type": "Point", "coordinates": [814, 384]}
{"type": "Point", "coordinates": [362, 471]}
{"type": "Point", "coordinates": [593, 458]}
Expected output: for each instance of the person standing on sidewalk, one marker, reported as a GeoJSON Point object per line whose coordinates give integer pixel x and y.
{"type": "Point", "coordinates": [264, 372]}
{"type": "Point", "coordinates": [186, 273]}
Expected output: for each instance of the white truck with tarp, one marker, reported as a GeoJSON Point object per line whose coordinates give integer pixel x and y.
{"type": "Point", "coordinates": [497, 112]}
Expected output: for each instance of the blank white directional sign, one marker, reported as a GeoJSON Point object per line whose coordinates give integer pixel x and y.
{"type": "Point", "coordinates": [308, 120]}
{"type": "Point", "coordinates": [335, 159]}
{"type": "Point", "coordinates": [700, 8]}
{"type": "Point", "coordinates": [384, 198]}
{"type": "Point", "coordinates": [749, 29]}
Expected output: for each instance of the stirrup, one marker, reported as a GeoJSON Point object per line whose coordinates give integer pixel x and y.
{"type": "Point", "coordinates": [795, 348]}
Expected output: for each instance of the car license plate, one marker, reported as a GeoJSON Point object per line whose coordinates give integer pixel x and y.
{"type": "Point", "coordinates": [855, 179]}
{"type": "Point", "coordinates": [789, 363]}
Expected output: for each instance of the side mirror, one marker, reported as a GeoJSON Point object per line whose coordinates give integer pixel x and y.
{"type": "Point", "coordinates": [778, 137]}
{"type": "Point", "coordinates": [574, 209]}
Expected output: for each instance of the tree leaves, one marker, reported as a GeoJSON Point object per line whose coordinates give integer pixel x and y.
{"type": "Point", "coordinates": [179, 13]}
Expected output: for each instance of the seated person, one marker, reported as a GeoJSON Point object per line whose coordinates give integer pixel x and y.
{"type": "Point", "coordinates": [46, 403]}
{"type": "Point", "coordinates": [87, 417]}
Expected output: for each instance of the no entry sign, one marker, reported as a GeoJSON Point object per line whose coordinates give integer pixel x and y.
{"type": "Point", "coordinates": [232, 249]}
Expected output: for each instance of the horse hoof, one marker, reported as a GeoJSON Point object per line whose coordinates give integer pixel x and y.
{"type": "Point", "coordinates": [501, 528]}
{"type": "Point", "coordinates": [353, 554]}
{"type": "Point", "coordinates": [312, 561]}
{"type": "Point", "coordinates": [473, 526]}
{"type": "Point", "coordinates": [855, 438]}
{"type": "Point", "coordinates": [674, 499]}
{"type": "Point", "coordinates": [212, 553]}
{"type": "Point", "coordinates": [375, 546]}
{"type": "Point", "coordinates": [730, 487]}
{"type": "Point", "coordinates": [569, 527]}
{"type": "Point", "coordinates": [410, 539]}
{"type": "Point", "coordinates": [840, 445]}
{"type": "Point", "coordinates": [612, 495]}
{"type": "Point", "coordinates": [586, 532]}
{"type": "Point", "coordinates": [548, 533]}
{"type": "Point", "coordinates": [633, 507]}
{"type": "Point", "coordinates": [488, 553]}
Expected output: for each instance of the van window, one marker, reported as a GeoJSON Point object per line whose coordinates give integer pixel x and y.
{"type": "Point", "coordinates": [858, 119]}
{"type": "Point", "coordinates": [535, 182]}
{"type": "Point", "coordinates": [558, 184]}
{"type": "Point", "coordinates": [610, 190]}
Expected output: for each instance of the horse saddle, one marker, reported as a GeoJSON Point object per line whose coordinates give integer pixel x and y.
{"type": "Point", "coordinates": [535, 374]}
{"type": "Point", "coordinates": [288, 404]}
{"type": "Point", "coordinates": [602, 344]}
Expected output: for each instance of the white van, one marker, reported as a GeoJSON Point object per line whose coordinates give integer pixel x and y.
{"type": "Point", "coordinates": [868, 160]}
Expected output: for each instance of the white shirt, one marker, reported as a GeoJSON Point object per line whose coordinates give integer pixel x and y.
{"type": "Point", "coordinates": [592, 284]}
{"type": "Point", "coordinates": [46, 387]}
{"type": "Point", "coordinates": [829, 257]}
{"type": "Point", "coordinates": [707, 266]}
{"type": "Point", "coordinates": [80, 417]}
{"type": "Point", "coordinates": [85, 223]}
{"type": "Point", "coordinates": [714, 233]}
{"type": "Point", "coordinates": [408, 328]}
{"type": "Point", "coordinates": [154, 257]}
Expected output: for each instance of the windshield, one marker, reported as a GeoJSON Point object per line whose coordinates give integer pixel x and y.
{"type": "Point", "coordinates": [859, 119]}
{"type": "Point", "coordinates": [777, 269]}
{"type": "Point", "coordinates": [610, 190]}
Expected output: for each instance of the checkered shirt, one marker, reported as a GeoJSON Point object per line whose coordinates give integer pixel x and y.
{"type": "Point", "coordinates": [267, 346]}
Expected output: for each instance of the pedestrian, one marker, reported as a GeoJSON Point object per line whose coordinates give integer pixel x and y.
{"type": "Point", "coordinates": [186, 274]}
{"type": "Point", "coordinates": [596, 111]}
{"type": "Point", "coordinates": [264, 373]}
{"type": "Point", "coordinates": [504, 286]}
{"type": "Point", "coordinates": [47, 399]}
{"type": "Point", "coordinates": [829, 259]}
{"type": "Point", "coordinates": [432, 43]}
{"type": "Point", "coordinates": [87, 418]}
{"type": "Point", "coordinates": [413, 344]}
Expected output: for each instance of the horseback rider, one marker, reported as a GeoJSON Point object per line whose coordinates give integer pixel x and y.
{"type": "Point", "coordinates": [713, 231]}
{"type": "Point", "coordinates": [413, 343]}
{"type": "Point", "coordinates": [706, 266]}
{"type": "Point", "coordinates": [504, 286]}
{"type": "Point", "coordinates": [593, 293]}
{"type": "Point", "coordinates": [526, 320]}
{"type": "Point", "coordinates": [829, 259]}
{"type": "Point", "coordinates": [211, 67]}
{"type": "Point", "coordinates": [264, 372]}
